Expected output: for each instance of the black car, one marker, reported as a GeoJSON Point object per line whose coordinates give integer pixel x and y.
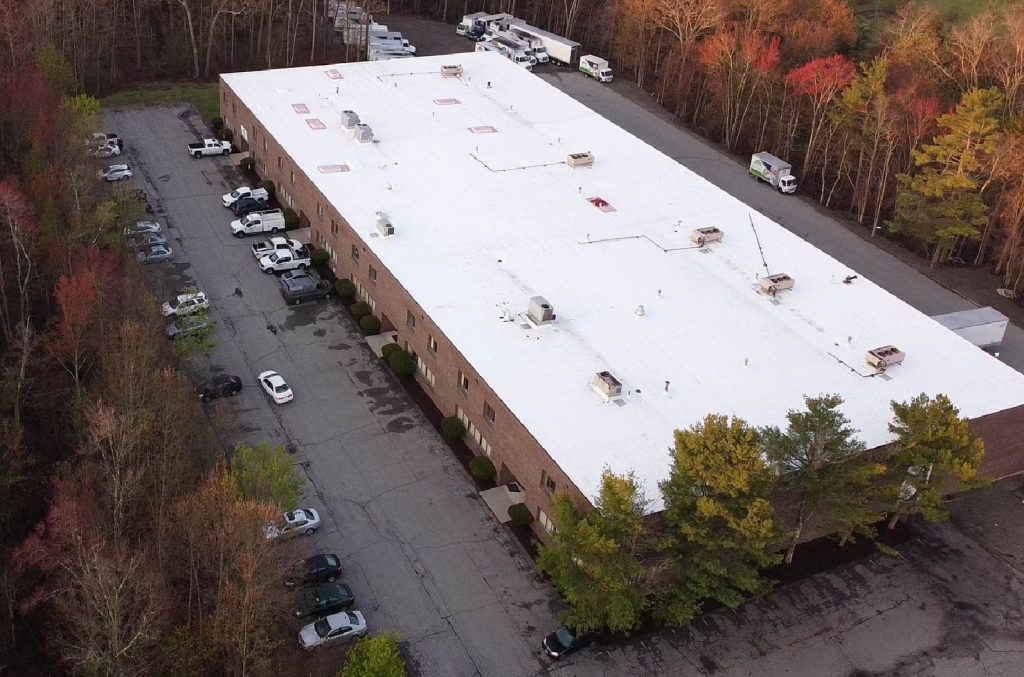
{"type": "Point", "coordinates": [297, 289]}
{"type": "Point", "coordinates": [564, 641]}
{"type": "Point", "coordinates": [314, 570]}
{"type": "Point", "coordinates": [324, 600]}
{"type": "Point", "coordinates": [221, 385]}
{"type": "Point", "coordinates": [244, 205]}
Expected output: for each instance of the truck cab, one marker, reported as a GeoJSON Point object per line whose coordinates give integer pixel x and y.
{"type": "Point", "coordinates": [787, 184]}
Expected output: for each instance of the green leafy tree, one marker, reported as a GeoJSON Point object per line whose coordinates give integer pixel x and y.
{"type": "Point", "coordinates": [374, 657]}
{"type": "Point", "coordinates": [822, 467]}
{"type": "Point", "coordinates": [593, 559]}
{"type": "Point", "coordinates": [942, 204]}
{"type": "Point", "coordinates": [719, 523]}
{"type": "Point", "coordinates": [935, 450]}
{"type": "Point", "coordinates": [266, 473]}
{"type": "Point", "coordinates": [199, 341]}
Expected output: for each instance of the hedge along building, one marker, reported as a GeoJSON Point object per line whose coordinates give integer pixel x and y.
{"type": "Point", "coordinates": [572, 294]}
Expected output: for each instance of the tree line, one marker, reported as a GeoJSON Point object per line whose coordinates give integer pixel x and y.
{"type": "Point", "coordinates": [128, 544]}
{"type": "Point", "coordinates": [738, 500]}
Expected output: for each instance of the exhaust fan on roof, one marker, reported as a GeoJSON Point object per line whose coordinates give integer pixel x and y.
{"type": "Point", "coordinates": [384, 225]}
{"type": "Point", "coordinates": [451, 71]}
{"type": "Point", "coordinates": [580, 160]}
{"type": "Point", "coordinates": [703, 236]}
{"type": "Point", "coordinates": [885, 357]}
{"type": "Point", "coordinates": [349, 119]}
{"type": "Point", "coordinates": [607, 385]}
{"type": "Point", "coordinates": [773, 284]}
{"type": "Point", "coordinates": [540, 311]}
{"type": "Point", "coordinates": [363, 133]}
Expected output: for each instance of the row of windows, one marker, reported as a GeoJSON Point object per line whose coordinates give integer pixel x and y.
{"type": "Point", "coordinates": [473, 431]}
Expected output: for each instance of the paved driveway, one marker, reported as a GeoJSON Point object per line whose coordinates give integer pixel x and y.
{"type": "Point", "coordinates": [421, 551]}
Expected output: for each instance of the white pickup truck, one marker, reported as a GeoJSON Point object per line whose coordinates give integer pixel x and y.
{"type": "Point", "coordinates": [245, 191]}
{"type": "Point", "coordinates": [267, 221]}
{"type": "Point", "coordinates": [274, 244]}
{"type": "Point", "coordinates": [285, 259]}
{"type": "Point", "coordinates": [209, 147]}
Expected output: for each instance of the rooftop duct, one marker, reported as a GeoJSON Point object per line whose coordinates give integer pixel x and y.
{"type": "Point", "coordinates": [580, 160]}
{"type": "Point", "coordinates": [384, 225]}
{"type": "Point", "coordinates": [885, 357]}
{"type": "Point", "coordinates": [540, 311]}
{"type": "Point", "coordinates": [451, 71]}
{"type": "Point", "coordinates": [363, 133]}
{"type": "Point", "coordinates": [607, 385]}
{"type": "Point", "coordinates": [703, 236]}
{"type": "Point", "coordinates": [773, 284]}
{"type": "Point", "coordinates": [349, 119]}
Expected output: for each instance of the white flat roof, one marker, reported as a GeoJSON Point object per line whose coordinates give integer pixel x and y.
{"type": "Point", "coordinates": [485, 220]}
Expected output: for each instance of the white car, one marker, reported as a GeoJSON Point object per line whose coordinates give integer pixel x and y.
{"type": "Point", "coordinates": [142, 227]}
{"type": "Point", "coordinates": [300, 521]}
{"type": "Point", "coordinates": [276, 387]}
{"type": "Point", "coordinates": [186, 304]}
{"type": "Point", "coordinates": [105, 149]}
{"type": "Point", "coordinates": [333, 629]}
{"type": "Point", "coordinates": [116, 173]}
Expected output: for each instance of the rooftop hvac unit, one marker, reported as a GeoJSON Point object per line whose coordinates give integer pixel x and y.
{"type": "Point", "coordinates": [580, 160]}
{"type": "Point", "coordinates": [773, 284]}
{"type": "Point", "coordinates": [363, 133]}
{"type": "Point", "coordinates": [349, 119]}
{"type": "Point", "coordinates": [607, 385]}
{"type": "Point", "coordinates": [885, 357]}
{"type": "Point", "coordinates": [540, 311]}
{"type": "Point", "coordinates": [384, 225]}
{"type": "Point", "coordinates": [452, 71]}
{"type": "Point", "coordinates": [703, 236]}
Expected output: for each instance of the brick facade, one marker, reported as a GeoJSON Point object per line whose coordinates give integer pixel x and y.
{"type": "Point", "coordinates": [443, 370]}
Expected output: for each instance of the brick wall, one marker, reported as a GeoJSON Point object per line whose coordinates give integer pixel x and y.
{"type": "Point", "coordinates": [449, 379]}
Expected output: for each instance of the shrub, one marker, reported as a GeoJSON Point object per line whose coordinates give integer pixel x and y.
{"type": "Point", "coordinates": [360, 310]}
{"type": "Point", "coordinates": [227, 135]}
{"type": "Point", "coordinates": [346, 289]}
{"type": "Point", "coordinates": [217, 124]}
{"type": "Point", "coordinates": [520, 514]}
{"type": "Point", "coordinates": [374, 657]}
{"type": "Point", "coordinates": [291, 219]}
{"type": "Point", "coordinates": [482, 469]}
{"type": "Point", "coordinates": [247, 164]}
{"type": "Point", "coordinates": [452, 428]}
{"type": "Point", "coordinates": [319, 257]}
{"type": "Point", "coordinates": [402, 363]}
{"type": "Point", "coordinates": [268, 185]}
{"type": "Point", "coordinates": [369, 325]}
{"type": "Point", "coordinates": [389, 348]}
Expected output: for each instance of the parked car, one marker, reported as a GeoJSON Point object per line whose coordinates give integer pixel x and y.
{"type": "Point", "coordinates": [300, 521]}
{"type": "Point", "coordinates": [101, 138]}
{"type": "Point", "coordinates": [300, 273]}
{"type": "Point", "coordinates": [156, 253]}
{"type": "Point", "coordinates": [145, 240]}
{"type": "Point", "coordinates": [247, 205]}
{"type": "Point", "coordinates": [333, 629]}
{"type": "Point", "coordinates": [243, 191]}
{"type": "Point", "coordinates": [564, 641]}
{"type": "Point", "coordinates": [314, 570]}
{"type": "Point", "coordinates": [186, 326]}
{"type": "Point", "coordinates": [105, 149]}
{"type": "Point", "coordinates": [115, 173]}
{"type": "Point", "coordinates": [188, 303]}
{"type": "Point", "coordinates": [295, 290]}
{"type": "Point", "coordinates": [274, 385]}
{"type": "Point", "coordinates": [323, 600]}
{"type": "Point", "coordinates": [221, 385]}
{"type": "Point", "coordinates": [261, 249]}
{"type": "Point", "coordinates": [142, 227]}
{"type": "Point", "coordinates": [209, 147]}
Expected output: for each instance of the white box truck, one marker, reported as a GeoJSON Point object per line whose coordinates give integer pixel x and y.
{"type": "Point", "coordinates": [775, 172]}
{"type": "Point", "coordinates": [560, 50]}
{"type": "Point", "coordinates": [984, 327]}
{"type": "Point", "coordinates": [595, 67]}
{"type": "Point", "coordinates": [535, 44]}
{"type": "Point", "coordinates": [518, 52]}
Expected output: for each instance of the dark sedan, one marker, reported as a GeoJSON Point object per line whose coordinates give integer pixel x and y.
{"type": "Point", "coordinates": [244, 205]}
{"type": "Point", "coordinates": [314, 570]}
{"type": "Point", "coordinates": [221, 385]}
{"type": "Point", "coordinates": [564, 641]}
{"type": "Point", "coordinates": [324, 600]}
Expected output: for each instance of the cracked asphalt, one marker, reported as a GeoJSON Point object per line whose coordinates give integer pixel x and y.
{"type": "Point", "coordinates": [424, 556]}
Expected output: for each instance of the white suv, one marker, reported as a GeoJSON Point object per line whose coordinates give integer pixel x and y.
{"type": "Point", "coordinates": [116, 173]}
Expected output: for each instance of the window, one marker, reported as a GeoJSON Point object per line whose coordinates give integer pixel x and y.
{"type": "Point", "coordinates": [545, 521]}
{"type": "Point", "coordinates": [424, 370]}
{"type": "Point", "coordinates": [410, 320]}
{"type": "Point", "coordinates": [546, 483]}
{"type": "Point", "coordinates": [319, 210]}
{"type": "Point", "coordinates": [278, 161]}
{"type": "Point", "coordinates": [334, 227]}
{"type": "Point", "coordinates": [373, 275]}
{"type": "Point", "coordinates": [473, 431]}
{"type": "Point", "coordinates": [464, 382]}
{"type": "Point", "coordinates": [264, 144]}
{"type": "Point", "coordinates": [431, 344]}
{"type": "Point", "coordinates": [355, 253]}
{"type": "Point", "coordinates": [489, 412]}
{"type": "Point", "coordinates": [292, 175]}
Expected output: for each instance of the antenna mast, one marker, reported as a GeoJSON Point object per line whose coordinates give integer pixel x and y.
{"type": "Point", "coordinates": [759, 247]}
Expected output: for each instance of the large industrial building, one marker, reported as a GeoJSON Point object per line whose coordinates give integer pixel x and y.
{"type": "Point", "coordinates": [571, 293]}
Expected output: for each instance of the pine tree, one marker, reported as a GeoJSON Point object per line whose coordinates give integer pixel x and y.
{"type": "Point", "coordinates": [941, 204]}
{"type": "Point", "coordinates": [935, 449]}
{"type": "Point", "coordinates": [822, 466]}
{"type": "Point", "coordinates": [593, 560]}
{"type": "Point", "coordinates": [719, 523]}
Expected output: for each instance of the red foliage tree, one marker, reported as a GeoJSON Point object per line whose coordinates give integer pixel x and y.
{"type": "Point", "coordinates": [819, 81]}
{"type": "Point", "coordinates": [77, 298]}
